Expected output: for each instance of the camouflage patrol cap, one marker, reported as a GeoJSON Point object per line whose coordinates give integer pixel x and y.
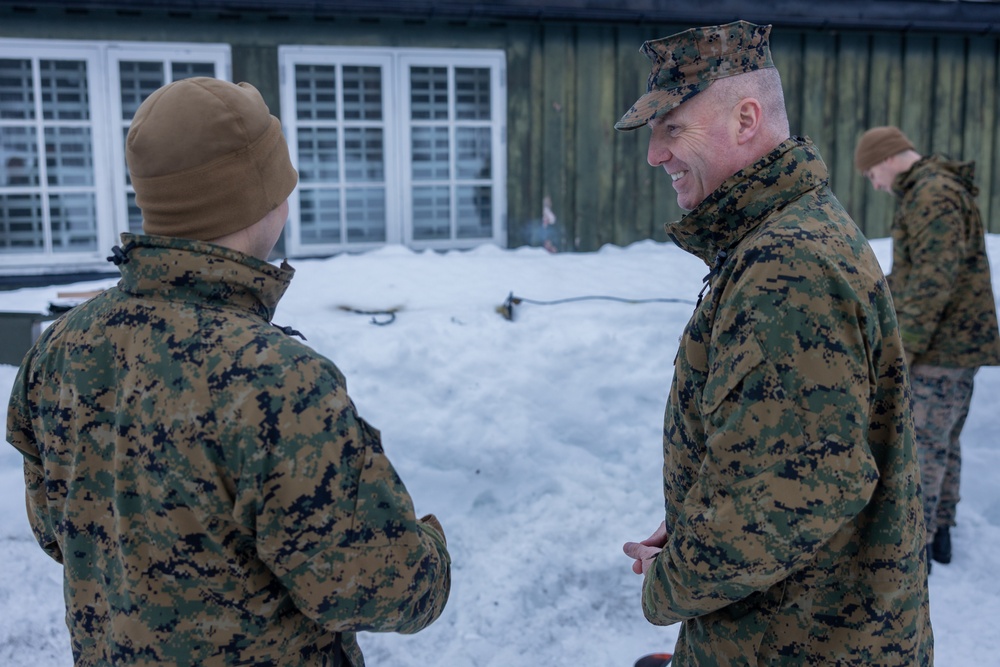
{"type": "Point", "coordinates": [685, 63]}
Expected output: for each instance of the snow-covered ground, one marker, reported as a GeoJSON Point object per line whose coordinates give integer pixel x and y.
{"type": "Point", "coordinates": [537, 444]}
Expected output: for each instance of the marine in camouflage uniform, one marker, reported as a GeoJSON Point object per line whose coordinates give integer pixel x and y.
{"type": "Point", "coordinates": [941, 286]}
{"type": "Point", "coordinates": [793, 532]}
{"type": "Point", "coordinates": [204, 477]}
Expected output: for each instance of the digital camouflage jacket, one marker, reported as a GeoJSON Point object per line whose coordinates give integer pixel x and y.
{"type": "Point", "coordinates": [941, 280]}
{"type": "Point", "coordinates": [205, 480]}
{"type": "Point", "coordinates": [795, 526]}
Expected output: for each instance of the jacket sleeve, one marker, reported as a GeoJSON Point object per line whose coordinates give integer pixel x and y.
{"type": "Point", "coordinates": [20, 434]}
{"type": "Point", "coordinates": [334, 521]}
{"type": "Point", "coordinates": [934, 247]}
{"type": "Point", "coordinates": [787, 466]}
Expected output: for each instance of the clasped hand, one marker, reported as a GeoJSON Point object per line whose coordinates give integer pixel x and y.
{"type": "Point", "coordinates": [645, 552]}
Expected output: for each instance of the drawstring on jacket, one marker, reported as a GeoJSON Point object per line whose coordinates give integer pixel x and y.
{"type": "Point", "coordinates": [119, 255]}
{"type": "Point", "coordinates": [288, 331]}
{"type": "Point", "coordinates": [713, 271]}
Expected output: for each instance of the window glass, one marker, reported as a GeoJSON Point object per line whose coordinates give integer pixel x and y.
{"type": "Point", "coordinates": [431, 213]}
{"type": "Point", "coordinates": [339, 137]}
{"type": "Point", "coordinates": [138, 80]}
{"type": "Point", "coordinates": [318, 155]}
{"type": "Point", "coordinates": [429, 153]}
{"type": "Point", "coordinates": [64, 90]}
{"type": "Point", "coordinates": [363, 154]}
{"type": "Point", "coordinates": [69, 156]}
{"type": "Point", "coordinates": [362, 93]}
{"type": "Point", "coordinates": [452, 147]}
{"type": "Point", "coordinates": [17, 93]}
{"type": "Point", "coordinates": [475, 212]}
{"type": "Point", "coordinates": [473, 155]}
{"type": "Point", "coordinates": [21, 223]}
{"type": "Point", "coordinates": [472, 93]}
{"type": "Point", "coordinates": [316, 92]}
{"type": "Point", "coordinates": [429, 93]}
{"type": "Point", "coordinates": [410, 139]}
{"type": "Point", "coordinates": [185, 70]}
{"type": "Point", "coordinates": [319, 215]}
{"type": "Point", "coordinates": [134, 214]}
{"type": "Point", "coordinates": [54, 148]}
{"type": "Point", "coordinates": [18, 156]}
{"type": "Point", "coordinates": [74, 222]}
{"type": "Point", "coordinates": [364, 212]}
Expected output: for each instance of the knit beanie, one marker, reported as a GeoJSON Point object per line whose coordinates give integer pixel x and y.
{"type": "Point", "coordinates": [206, 159]}
{"type": "Point", "coordinates": [877, 144]}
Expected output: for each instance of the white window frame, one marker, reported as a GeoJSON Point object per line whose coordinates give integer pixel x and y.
{"type": "Point", "coordinates": [97, 113]}
{"type": "Point", "coordinates": [104, 91]}
{"type": "Point", "coordinates": [288, 58]}
{"type": "Point", "coordinates": [397, 123]}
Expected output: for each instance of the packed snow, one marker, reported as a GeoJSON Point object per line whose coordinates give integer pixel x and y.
{"type": "Point", "coordinates": [536, 441]}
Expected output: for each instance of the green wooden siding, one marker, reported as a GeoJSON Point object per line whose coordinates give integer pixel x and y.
{"type": "Point", "coordinates": [940, 89]}
{"type": "Point", "coordinates": [568, 83]}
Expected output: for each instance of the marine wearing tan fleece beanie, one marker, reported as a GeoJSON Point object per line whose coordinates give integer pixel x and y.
{"type": "Point", "coordinates": [877, 144]}
{"type": "Point", "coordinates": [206, 158]}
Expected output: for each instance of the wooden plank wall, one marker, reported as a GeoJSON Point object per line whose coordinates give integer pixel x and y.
{"type": "Point", "coordinates": [940, 89]}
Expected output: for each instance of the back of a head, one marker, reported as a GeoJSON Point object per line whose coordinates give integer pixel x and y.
{"type": "Point", "coordinates": [764, 85]}
{"type": "Point", "coordinates": [206, 158]}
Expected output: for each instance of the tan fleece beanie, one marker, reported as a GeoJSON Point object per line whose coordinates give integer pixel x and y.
{"type": "Point", "coordinates": [877, 144]}
{"type": "Point", "coordinates": [206, 159]}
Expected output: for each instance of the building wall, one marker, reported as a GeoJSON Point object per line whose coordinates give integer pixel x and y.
{"type": "Point", "coordinates": [568, 83]}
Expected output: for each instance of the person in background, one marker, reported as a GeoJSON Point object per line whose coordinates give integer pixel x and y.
{"type": "Point", "coordinates": [941, 285]}
{"type": "Point", "coordinates": [203, 477]}
{"type": "Point", "coordinates": [792, 532]}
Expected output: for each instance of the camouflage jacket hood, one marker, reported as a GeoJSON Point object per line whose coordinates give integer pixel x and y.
{"type": "Point", "coordinates": [962, 173]}
{"type": "Point", "coordinates": [790, 474]}
{"type": "Point", "coordinates": [206, 480]}
{"type": "Point", "coordinates": [941, 279]}
{"type": "Point", "coordinates": [196, 272]}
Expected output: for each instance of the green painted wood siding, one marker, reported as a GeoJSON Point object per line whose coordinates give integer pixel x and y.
{"type": "Point", "coordinates": [940, 89]}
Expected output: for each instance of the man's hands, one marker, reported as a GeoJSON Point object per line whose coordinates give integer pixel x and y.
{"type": "Point", "coordinates": [644, 552]}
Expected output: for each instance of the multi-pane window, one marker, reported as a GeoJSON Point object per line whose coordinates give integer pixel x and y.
{"type": "Point", "coordinates": [65, 108]}
{"type": "Point", "coordinates": [48, 198]}
{"type": "Point", "coordinates": [341, 154]}
{"type": "Point", "coordinates": [451, 148]}
{"type": "Point", "coordinates": [401, 146]}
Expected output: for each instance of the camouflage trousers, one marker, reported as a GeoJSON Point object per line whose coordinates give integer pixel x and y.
{"type": "Point", "coordinates": [941, 398]}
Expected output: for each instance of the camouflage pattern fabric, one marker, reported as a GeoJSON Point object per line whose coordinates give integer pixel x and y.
{"type": "Point", "coordinates": [685, 63]}
{"type": "Point", "coordinates": [205, 479]}
{"type": "Point", "coordinates": [940, 278]}
{"type": "Point", "coordinates": [790, 473]}
{"type": "Point", "coordinates": [941, 398]}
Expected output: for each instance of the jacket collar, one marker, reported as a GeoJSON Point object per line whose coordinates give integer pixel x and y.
{"type": "Point", "coordinates": [199, 272]}
{"type": "Point", "coordinates": [744, 199]}
{"type": "Point", "coordinates": [964, 173]}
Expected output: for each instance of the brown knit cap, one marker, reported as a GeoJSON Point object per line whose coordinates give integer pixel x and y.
{"type": "Point", "coordinates": [206, 159]}
{"type": "Point", "coordinates": [877, 144]}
